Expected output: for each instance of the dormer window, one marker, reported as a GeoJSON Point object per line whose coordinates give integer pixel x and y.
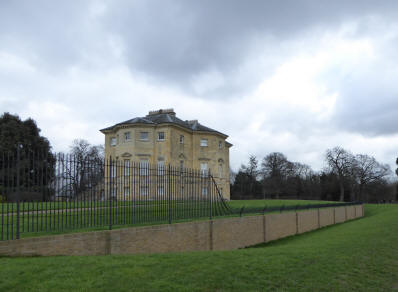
{"type": "Point", "coordinates": [203, 142]}
{"type": "Point", "coordinates": [113, 141]}
{"type": "Point", "coordinates": [144, 136]}
{"type": "Point", "coordinates": [161, 136]}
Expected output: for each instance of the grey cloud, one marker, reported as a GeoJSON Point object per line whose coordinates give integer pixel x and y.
{"type": "Point", "coordinates": [50, 34]}
{"type": "Point", "coordinates": [177, 40]}
{"type": "Point", "coordinates": [174, 42]}
{"type": "Point", "coordinates": [369, 105]}
{"type": "Point", "coordinates": [368, 94]}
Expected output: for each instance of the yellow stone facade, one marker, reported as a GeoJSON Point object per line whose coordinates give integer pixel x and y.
{"type": "Point", "coordinates": [137, 140]}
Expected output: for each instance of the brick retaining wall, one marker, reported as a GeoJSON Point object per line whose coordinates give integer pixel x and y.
{"type": "Point", "coordinates": [219, 234]}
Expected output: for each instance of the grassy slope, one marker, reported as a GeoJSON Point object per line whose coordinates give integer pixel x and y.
{"type": "Point", "coordinates": [358, 255]}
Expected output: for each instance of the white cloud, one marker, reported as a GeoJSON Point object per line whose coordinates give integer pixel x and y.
{"type": "Point", "coordinates": [14, 64]}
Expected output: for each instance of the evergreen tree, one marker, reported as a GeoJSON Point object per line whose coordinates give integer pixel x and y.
{"type": "Point", "coordinates": [23, 148]}
{"type": "Point", "coordinates": [396, 191]}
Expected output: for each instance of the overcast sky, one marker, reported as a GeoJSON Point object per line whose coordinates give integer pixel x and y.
{"type": "Point", "coordinates": [295, 76]}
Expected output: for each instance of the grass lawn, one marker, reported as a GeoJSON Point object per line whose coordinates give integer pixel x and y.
{"type": "Point", "coordinates": [359, 255]}
{"type": "Point", "coordinates": [124, 214]}
{"type": "Point", "coordinates": [77, 205]}
{"type": "Point", "coordinates": [272, 203]}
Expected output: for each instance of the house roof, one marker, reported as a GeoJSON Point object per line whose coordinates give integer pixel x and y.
{"type": "Point", "coordinates": [164, 117]}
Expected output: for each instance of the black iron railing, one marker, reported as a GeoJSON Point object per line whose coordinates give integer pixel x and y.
{"type": "Point", "coordinates": [43, 192]}
{"type": "Point", "coordinates": [51, 193]}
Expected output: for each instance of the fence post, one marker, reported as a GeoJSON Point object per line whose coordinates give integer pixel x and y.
{"type": "Point", "coordinates": [18, 191]}
{"type": "Point", "coordinates": [169, 192]}
{"type": "Point", "coordinates": [209, 192]}
{"type": "Point", "coordinates": [110, 174]}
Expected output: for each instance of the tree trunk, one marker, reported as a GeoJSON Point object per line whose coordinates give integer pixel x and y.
{"type": "Point", "coordinates": [396, 191]}
{"type": "Point", "coordinates": [353, 193]}
{"type": "Point", "coordinates": [360, 193]}
{"type": "Point", "coordinates": [263, 189]}
{"type": "Point", "coordinates": [341, 192]}
{"type": "Point", "coordinates": [276, 195]}
{"type": "Point", "coordinates": [396, 194]}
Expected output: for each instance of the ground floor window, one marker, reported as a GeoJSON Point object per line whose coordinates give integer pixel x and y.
{"type": "Point", "coordinates": [113, 193]}
{"type": "Point", "coordinates": [161, 167]}
{"type": "Point", "coordinates": [203, 169]}
{"type": "Point", "coordinates": [113, 171]}
{"type": "Point", "coordinates": [144, 167]}
{"type": "Point", "coordinates": [144, 190]}
{"type": "Point", "coordinates": [127, 191]}
{"type": "Point", "coordinates": [126, 167]}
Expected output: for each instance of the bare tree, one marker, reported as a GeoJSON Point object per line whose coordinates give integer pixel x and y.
{"type": "Point", "coordinates": [368, 170]}
{"type": "Point", "coordinates": [83, 168]}
{"type": "Point", "coordinates": [340, 162]}
{"type": "Point", "coordinates": [303, 171]}
{"type": "Point", "coordinates": [275, 169]}
{"type": "Point", "coordinates": [303, 179]}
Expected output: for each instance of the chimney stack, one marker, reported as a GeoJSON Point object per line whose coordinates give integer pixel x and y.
{"type": "Point", "coordinates": [169, 111]}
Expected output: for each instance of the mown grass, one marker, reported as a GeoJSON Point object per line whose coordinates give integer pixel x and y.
{"type": "Point", "coordinates": [360, 255]}
{"type": "Point", "coordinates": [272, 203]}
{"type": "Point", "coordinates": [78, 205]}
{"type": "Point", "coordinates": [80, 220]}
{"type": "Point", "coordinates": [75, 204]}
